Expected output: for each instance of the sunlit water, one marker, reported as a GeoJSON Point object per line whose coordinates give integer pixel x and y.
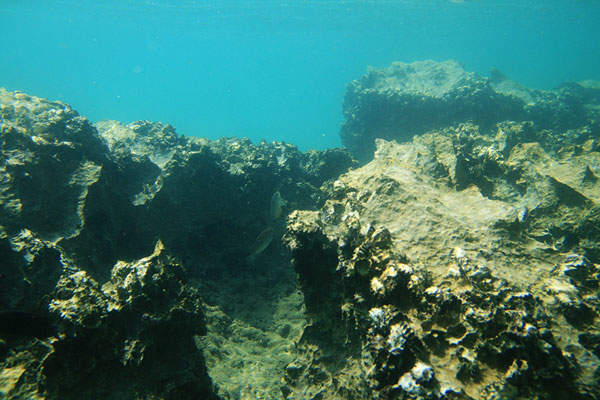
{"type": "Point", "coordinates": [273, 69]}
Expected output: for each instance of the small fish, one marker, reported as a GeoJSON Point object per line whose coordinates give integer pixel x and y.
{"type": "Point", "coordinates": [26, 324]}
{"type": "Point", "coordinates": [263, 240]}
{"type": "Point", "coordinates": [523, 215]}
{"type": "Point", "coordinates": [276, 207]}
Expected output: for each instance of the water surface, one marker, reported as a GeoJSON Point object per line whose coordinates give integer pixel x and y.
{"type": "Point", "coordinates": [273, 70]}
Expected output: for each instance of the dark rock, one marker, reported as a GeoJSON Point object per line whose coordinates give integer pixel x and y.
{"type": "Point", "coordinates": [133, 332]}
{"type": "Point", "coordinates": [77, 199]}
{"type": "Point", "coordinates": [404, 100]}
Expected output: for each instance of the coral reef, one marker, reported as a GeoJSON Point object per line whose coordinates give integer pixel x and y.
{"type": "Point", "coordinates": [403, 100]}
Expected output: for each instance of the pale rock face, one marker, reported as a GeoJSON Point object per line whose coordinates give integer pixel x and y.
{"type": "Point", "coordinates": [466, 294]}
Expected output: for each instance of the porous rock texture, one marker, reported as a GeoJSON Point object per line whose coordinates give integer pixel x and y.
{"type": "Point", "coordinates": [456, 266]}
{"type": "Point", "coordinates": [133, 241]}
{"type": "Point", "coordinates": [403, 100]}
{"type": "Point", "coordinates": [461, 264]}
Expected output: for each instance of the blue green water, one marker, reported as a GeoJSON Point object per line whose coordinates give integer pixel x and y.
{"type": "Point", "coordinates": [273, 70]}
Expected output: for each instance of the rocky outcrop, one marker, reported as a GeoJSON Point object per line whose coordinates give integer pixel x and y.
{"type": "Point", "coordinates": [458, 265]}
{"type": "Point", "coordinates": [82, 207]}
{"type": "Point", "coordinates": [138, 263]}
{"type": "Point", "coordinates": [121, 332]}
{"type": "Point", "coordinates": [210, 199]}
{"type": "Point", "coordinates": [404, 100]}
{"type": "Point", "coordinates": [135, 333]}
{"type": "Point", "coordinates": [130, 337]}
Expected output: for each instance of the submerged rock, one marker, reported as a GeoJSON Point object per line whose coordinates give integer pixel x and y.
{"type": "Point", "coordinates": [82, 206]}
{"type": "Point", "coordinates": [404, 100]}
{"type": "Point", "coordinates": [135, 331]}
{"type": "Point", "coordinates": [461, 264]}
{"type": "Point", "coordinates": [453, 267]}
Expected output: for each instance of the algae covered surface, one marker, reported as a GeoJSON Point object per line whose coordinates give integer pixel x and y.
{"type": "Point", "coordinates": [133, 242]}
{"type": "Point", "coordinates": [459, 259]}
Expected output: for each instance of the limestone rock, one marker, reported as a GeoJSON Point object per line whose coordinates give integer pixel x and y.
{"type": "Point", "coordinates": [457, 265]}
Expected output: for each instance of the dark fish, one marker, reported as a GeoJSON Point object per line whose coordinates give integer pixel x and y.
{"type": "Point", "coordinates": [25, 324]}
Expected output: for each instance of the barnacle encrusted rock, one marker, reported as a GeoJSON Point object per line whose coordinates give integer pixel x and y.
{"type": "Point", "coordinates": [454, 267]}
{"type": "Point", "coordinates": [403, 100]}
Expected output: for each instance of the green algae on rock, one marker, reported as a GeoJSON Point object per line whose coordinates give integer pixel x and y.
{"type": "Point", "coordinates": [82, 206]}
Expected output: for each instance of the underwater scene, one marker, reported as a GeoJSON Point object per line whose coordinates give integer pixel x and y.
{"type": "Point", "coordinates": [301, 200]}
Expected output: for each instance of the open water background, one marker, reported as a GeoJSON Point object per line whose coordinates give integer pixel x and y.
{"type": "Point", "coordinates": [273, 70]}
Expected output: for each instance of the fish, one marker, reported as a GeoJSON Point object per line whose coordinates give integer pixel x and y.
{"type": "Point", "coordinates": [276, 206]}
{"type": "Point", "coordinates": [522, 216]}
{"type": "Point", "coordinates": [263, 240]}
{"type": "Point", "coordinates": [19, 323]}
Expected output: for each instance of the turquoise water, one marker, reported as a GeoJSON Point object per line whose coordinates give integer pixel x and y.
{"type": "Point", "coordinates": [273, 70]}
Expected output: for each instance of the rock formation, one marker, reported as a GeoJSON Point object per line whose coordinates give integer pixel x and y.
{"type": "Point", "coordinates": [458, 265]}
{"type": "Point", "coordinates": [83, 207]}
{"type": "Point", "coordinates": [403, 100]}
{"type": "Point", "coordinates": [463, 263]}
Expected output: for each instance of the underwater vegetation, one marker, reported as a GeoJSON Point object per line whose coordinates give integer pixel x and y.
{"type": "Point", "coordinates": [459, 258]}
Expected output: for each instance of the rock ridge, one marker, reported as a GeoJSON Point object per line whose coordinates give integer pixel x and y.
{"type": "Point", "coordinates": [457, 265]}
{"type": "Point", "coordinates": [403, 100]}
{"type": "Point", "coordinates": [462, 263]}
